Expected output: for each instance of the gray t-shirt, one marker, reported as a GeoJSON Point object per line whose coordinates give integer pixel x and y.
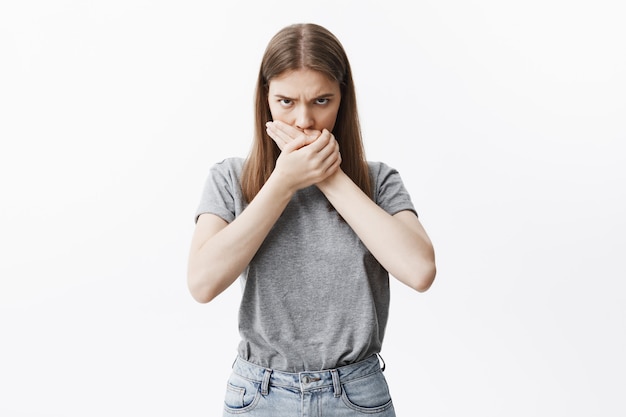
{"type": "Point", "coordinates": [313, 296]}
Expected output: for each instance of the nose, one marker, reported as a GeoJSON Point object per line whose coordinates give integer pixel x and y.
{"type": "Point", "coordinates": [304, 118]}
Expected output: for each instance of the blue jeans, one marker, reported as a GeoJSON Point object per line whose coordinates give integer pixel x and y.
{"type": "Point", "coordinates": [353, 390]}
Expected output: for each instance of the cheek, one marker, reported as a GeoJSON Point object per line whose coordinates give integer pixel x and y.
{"type": "Point", "coordinates": [277, 112]}
{"type": "Point", "coordinates": [329, 121]}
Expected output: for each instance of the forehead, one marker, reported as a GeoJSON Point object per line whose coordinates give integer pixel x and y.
{"type": "Point", "coordinates": [303, 82]}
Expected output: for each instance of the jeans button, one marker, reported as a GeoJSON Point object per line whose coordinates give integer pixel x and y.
{"type": "Point", "coordinates": [306, 379]}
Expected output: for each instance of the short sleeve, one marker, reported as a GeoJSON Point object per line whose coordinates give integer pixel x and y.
{"type": "Point", "coordinates": [389, 192]}
{"type": "Point", "coordinates": [222, 194]}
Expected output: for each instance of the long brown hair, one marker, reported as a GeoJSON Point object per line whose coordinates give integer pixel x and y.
{"type": "Point", "coordinates": [305, 46]}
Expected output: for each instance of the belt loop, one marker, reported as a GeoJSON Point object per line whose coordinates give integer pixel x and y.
{"type": "Point", "coordinates": [265, 385]}
{"type": "Point", "coordinates": [382, 369]}
{"type": "Point", "coordinates": [336, 383]}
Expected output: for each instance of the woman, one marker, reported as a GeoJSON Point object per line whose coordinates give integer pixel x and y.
{"type": "Point", "coordinates": [314, 230]}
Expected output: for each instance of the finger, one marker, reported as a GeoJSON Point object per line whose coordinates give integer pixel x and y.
{"type": "Point", "coordinates": [331, 164]}
{"type": "Point", "coordinates": [286, 130]}
{"type": "Point", "coordinates": [295, 144]}
{"type": "Point", "coordinates": [278, 140]}
{"type": "Point", "coordinates": [282, 131]}
{"type": "Point", "coordinates": [280, 137]}
{"type": "Point", "coordinates": [322, 141]}
{"type": "Point", "coordinates": [312, 135]}
{"type": "Point", "coordinates": [330, 155]}
{"type": "Point", "coordinates": [334, 164]}
{"type": "Point", "coordinates": [291, 132]}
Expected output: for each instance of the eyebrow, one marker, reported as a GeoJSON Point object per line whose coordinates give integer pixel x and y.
{"type": "Point", "coordinates": [324, 95]}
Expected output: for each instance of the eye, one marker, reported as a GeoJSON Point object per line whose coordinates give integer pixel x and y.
{"type": "Point", "coordinates": [285, 102]}
{"type": "Point", "coordinates": [321, 101]}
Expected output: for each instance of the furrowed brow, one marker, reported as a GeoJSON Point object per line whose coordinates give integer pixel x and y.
{"type": "Point", "coordinates": [323, 95]}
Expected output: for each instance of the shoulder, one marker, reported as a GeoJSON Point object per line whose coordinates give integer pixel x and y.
{"type": "Point", "coordinates": [233, 164]}
{"type": "Point", "coordinates": [228, 168]}
{"type": "Point", "coordinates": [221, 194]}
{"type": "Point", "coordinates": [389, 189]}
{"type": "Point", "coordinates": [380, 170]}
{"type": "Point", "coordinates": [376, 166]}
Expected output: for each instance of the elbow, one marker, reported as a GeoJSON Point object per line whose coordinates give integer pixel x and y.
{"type": "Point", "coordinates": [427, 281]}
{"type": "Point", "coordinates": [422, 278]}
{"type": "Point", "coordinates": [205, 282]}
{"type": "Point", "coordinates": [201, 291]}
{"type": "Point", "coordinates": [202, 297]}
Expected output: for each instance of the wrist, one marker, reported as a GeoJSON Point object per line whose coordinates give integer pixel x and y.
{"type": "Point", "coordinates": [280, 185]}
{"type": "Point", "coordinates": [332, 181]}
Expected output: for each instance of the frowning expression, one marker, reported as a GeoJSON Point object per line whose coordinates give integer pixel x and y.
{"type": "Point", "coordinates": [305, 99]}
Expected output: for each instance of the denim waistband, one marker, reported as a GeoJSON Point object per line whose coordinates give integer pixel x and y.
{"type": "Point", "coordinates": [307, 380]}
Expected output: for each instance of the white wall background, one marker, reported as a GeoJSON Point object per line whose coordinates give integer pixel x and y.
{"type": "Point", "coordinates": [505, 119]}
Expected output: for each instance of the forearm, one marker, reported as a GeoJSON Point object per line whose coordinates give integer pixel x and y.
{"type": "Point", "coordinates": [215, 263]}
{"type": "Point", "coordinates": [398, 242]}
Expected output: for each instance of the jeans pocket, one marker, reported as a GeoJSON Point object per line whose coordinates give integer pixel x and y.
{"type": "Point", "coordinates": [242, 395]}
{"type": "Point", "coordinates": [367, 395]}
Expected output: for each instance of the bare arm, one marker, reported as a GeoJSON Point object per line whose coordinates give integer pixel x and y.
{"type": "Point", "coordinates": [398, 242]}
{"type": "Point", "coordinates": [220, 251]}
